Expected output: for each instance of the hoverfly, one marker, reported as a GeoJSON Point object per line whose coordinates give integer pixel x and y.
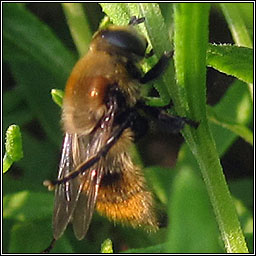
{"type": "Point", "coordinates": [99, 118]}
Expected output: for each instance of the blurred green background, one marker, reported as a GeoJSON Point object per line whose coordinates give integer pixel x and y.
{"type": "Point", "coordinates": [38, 55]}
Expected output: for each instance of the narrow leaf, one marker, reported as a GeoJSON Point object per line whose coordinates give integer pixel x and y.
{"type": "Point", "coordinates": [232, 60]}
{"type": "Point", "coordinates": [236, 19]}
{"type": "Point", "coordinates": [238, 129]}
{"type": "Point", "coordinates": [78, 25]}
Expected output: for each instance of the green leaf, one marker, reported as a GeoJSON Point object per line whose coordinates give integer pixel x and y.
{"type": "Point", "coordinates": [13, 146]}
{"type": "Point", "coordinates": [39, 42]}
{"type": "Point", "coordinates": [232, 60]}
{"type": "Point", "coordinates": [120, 13]}
{"type": "Point", "coordinates": [237, 99]}
{"type": "Point", "coordinates": [57, 96]}
{"type": "Point", "coordinates": [13, 143]}
{"type": "Point", "coordinates": [239, 17]}
{"type": "Point", "coordinates": [238, 129]}
{"type": "Point", "coordinates": [193, 228]}
{"type": "Point", "coordinates": [7, 162]}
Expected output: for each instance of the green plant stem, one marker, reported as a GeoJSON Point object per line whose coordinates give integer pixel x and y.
{"type": "Point", "coordinates": [191, 38]}
{"type": "Point", "coordinates": [78, 25]}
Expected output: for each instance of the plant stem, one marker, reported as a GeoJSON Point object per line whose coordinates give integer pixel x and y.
{"type": "Point", "coordinates": [78, 26]}
{"type": "Point", "coordinates": [191, 39]}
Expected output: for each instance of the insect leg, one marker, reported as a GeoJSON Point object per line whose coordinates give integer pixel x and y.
{"type": "Point", "coordinates": [158, 69]}
{"type": "Point", "coordinates": [174, 124]}
{"type": "Point", "coordinates": [50, 247]}
{"type": "Point", "coordinates": [150, 54]}
{"type": "Point", "coordinates": [135, 21]}
{"type": "Point", "coordinates": [93, 160]}
{"type": "Point", "coordinates": [166, 121]}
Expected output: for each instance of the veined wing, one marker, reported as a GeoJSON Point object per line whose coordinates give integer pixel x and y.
{"type": "Point", "coordinates": [75, 199]}
{"type": "Point", "coordinates": [88, 190]}
{"type": "Point", "coordinates": [86, 203]}
{"type": "Point", "coordinates": [66, 194]}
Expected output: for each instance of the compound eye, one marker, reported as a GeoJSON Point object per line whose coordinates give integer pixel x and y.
{"type": "Point", "coordinates": [126, 40]}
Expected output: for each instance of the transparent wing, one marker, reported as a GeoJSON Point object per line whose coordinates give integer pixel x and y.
{"type": "Point", "coordinates": [66, 194]}
{"type": "Point", "coordinates": [75, 199]}
{"type": "Point", "coordinates": [86, 203]}
{"type": "Point", "coordinates": [88, 189]}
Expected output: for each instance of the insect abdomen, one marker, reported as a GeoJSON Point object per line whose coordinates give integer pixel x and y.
{"type": "Point", "coordinates": [123, 196]}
